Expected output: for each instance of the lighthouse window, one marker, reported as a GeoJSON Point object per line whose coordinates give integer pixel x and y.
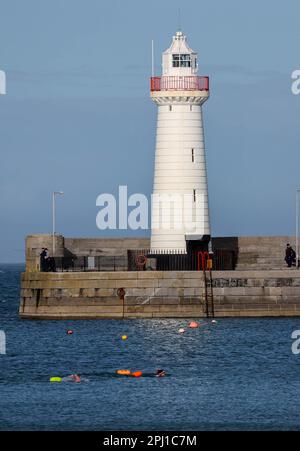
{"type": "Point", "coordinates": [194, 194]}
{"type": "Point", "coordinates": [181, 60]}
{"type": "Point", "coordinates": [193, 156]}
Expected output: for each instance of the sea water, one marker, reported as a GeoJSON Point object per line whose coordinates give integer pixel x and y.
{"type": "Point", "coordinates": [239, 374]}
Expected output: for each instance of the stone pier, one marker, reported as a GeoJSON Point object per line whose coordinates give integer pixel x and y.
{"type": "Point", "coordinates": [158, 294]}
{"type": "Point", "coordinates": [253, 289]}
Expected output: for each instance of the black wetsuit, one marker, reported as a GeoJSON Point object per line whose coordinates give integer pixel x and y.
{"type": "Point", "coordinates": [44, 263]}
{"type": "Point", "coordinates": [290, 256]}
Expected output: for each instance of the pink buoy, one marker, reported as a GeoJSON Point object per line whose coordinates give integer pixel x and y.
{"type": "Point", "coordinates": [69, 332]}
{"type": "Point", "coordinates": [181, 331]}
{"type": "Point", "coordinates": [193, 325]}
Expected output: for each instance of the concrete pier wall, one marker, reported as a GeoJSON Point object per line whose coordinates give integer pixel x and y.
{"type": "Point", "coordinates": [79, 247]}
{"type": "Point", "coordinates": [261, 285]}
{"type": "Point", "coordinates": [258, 253]}
{"type": "Point", "coordinates": [158, 294]}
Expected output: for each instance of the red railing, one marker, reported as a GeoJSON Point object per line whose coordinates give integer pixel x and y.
{"type": "Point", "coordinates": [202, 258]}
{"type": "Point", "coordinates": [177, 83]}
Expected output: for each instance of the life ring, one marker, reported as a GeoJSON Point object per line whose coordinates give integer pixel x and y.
{"type": "Point", "coordinates": [121, 293]}
{"type": "Point", "coordinates": [141, 260]}
{"type": "Point", "coordinates": [123, 372]}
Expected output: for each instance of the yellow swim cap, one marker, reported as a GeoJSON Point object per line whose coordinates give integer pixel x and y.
{"type": "Point", "coordinates": [55, 379]}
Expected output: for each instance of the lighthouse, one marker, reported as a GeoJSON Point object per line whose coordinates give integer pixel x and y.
{"type": "Point", "coordinates": [180, 210]}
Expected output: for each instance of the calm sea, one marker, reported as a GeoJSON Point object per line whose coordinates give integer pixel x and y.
{"type": "Point", "coordinates": [239, 374]}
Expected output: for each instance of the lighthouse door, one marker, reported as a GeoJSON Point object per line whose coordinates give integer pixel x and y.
{"type": "Point", "coordinates": [194, 247]}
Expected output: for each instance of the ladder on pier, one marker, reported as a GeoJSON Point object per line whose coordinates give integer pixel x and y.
{"type": "Point", "coordinates": [209, 294]}
{"type": "Point", "coordinates": [205, 263]}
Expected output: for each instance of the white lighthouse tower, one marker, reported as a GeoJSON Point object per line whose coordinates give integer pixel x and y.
{"type": "Point", "coordinates": [180, 168]}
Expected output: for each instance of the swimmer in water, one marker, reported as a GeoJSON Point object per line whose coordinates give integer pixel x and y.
{"type": "Point", "coordinates": [75, 377]}
{"type": "Point", "coordinates": [160, 373]}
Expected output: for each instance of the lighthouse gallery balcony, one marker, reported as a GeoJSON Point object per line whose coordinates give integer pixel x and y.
{"type": "Point", "coordinates": [179, 83]}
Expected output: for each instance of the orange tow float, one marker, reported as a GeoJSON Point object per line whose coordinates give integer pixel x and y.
{"type": "Point", "coordinates": [129, 373]}
{"type": "Point", "coordinates": [123, 372]}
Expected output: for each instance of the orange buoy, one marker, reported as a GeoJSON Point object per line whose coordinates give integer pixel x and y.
{"type": "Point", "coordinates": [193, 325]}
{"type": "Point", "coordinates": [123, 372]}
{"type": "Point", "coordinates": [136, 374]}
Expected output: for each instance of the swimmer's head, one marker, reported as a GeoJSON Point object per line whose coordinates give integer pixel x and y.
{"type": "Point", "coordinates": [160, 372]}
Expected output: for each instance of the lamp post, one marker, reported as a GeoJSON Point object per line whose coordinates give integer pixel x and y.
{"type": "Point", "coordinates": [297, 226]}
{"type": "Point", "coordinates": [55, 193]}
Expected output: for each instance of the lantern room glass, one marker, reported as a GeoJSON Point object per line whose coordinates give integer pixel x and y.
{"type": "Point", "coordinates": [181, 60]}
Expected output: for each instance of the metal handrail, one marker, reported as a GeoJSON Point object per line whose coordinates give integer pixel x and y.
{"type": "Point", "coordinates": [179, 83]}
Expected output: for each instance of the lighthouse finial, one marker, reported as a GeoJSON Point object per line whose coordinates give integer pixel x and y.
{"type": "Point", "coordinates": [179, 19]}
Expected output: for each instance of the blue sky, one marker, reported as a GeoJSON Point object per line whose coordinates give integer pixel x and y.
{"type": "Point", "coordinates": [77, 115]}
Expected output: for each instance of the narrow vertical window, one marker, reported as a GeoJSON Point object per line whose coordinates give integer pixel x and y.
{"type": "Point", "coordinates": [191, 107]}
{"type": "Point", "coordinates": [193, 156]}
{"type": "Point", "coordinates": [170, 107]}
{"type": "Point", "coordinates": [194, 194]}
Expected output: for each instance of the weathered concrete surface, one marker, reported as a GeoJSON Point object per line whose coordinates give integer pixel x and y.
{"type": "Point", "coordinates": [81, 247]}
{"type": "Point", "coordinates": [159, 294]}
{"type": "Point", "coordinates": [260, 290]}
{"type": "Point", "coordinates": [104, 246]}
{"type": "Point", "coordinates": [262, 252]}
{"type": "Point", "coordinates": [94, 295]}
{"type": "Point", "coordinates": [258, 253]}
{"type": "Point", "coordinates": [33, 248]}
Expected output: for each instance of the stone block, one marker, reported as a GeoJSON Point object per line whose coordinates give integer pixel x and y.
{"type": "Point", "coordinates": [200, 292]}
{"type": "Point", "coordinates": [164, 301]}
{"type": "Point", "coordinates": [290, 291]}
{"type": "Point", "coordinates": [170, 283]}
{"type": "Point", "coordinates": [140, 292]}
{"type": "Point", "coordinates": [147, 283]}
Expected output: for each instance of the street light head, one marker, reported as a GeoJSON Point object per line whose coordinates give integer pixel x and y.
{"type": "Point", "coordinates": [58, 192]}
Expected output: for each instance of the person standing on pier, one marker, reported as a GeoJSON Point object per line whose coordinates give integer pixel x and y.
{"type": "Point", "coordinates": [290, 256]}
{"type": "Point", "coordinates": [44, 259]}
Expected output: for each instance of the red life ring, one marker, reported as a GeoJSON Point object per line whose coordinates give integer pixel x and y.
{"type": "Point", "coordinates": [140, 260]}
{"type": "Point", "coordinates": [121, 293]}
